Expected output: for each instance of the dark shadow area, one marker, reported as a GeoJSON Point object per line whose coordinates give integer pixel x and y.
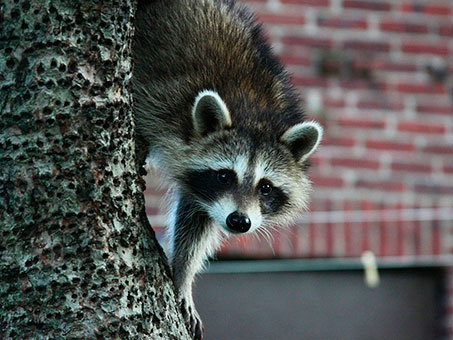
{"type": "Point", "coordinates": [328, 305]}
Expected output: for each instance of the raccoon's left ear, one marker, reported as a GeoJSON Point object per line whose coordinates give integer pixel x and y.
{"type": "Point", "coordinates": [302, 139]}
{"type": "Point", "coordinates": [209, 113]}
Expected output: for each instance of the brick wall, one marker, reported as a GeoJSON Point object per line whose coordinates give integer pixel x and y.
{"type": "Point", "coordinates": [377, 75]}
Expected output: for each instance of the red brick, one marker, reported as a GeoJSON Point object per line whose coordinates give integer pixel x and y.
{"type": "Point", "coordinates": [367, 46]}
{"type": "Point", "coordinates": [411, 167]}
{"type": "Point", "coordinates": [430, 188]}
{"type": "Point", "coordinates": [355, 163]}
{"type": "Point", "coordinates": [422, 88]}
{"type": "Point", "coordinates": [380, 104]}
{"type": "Point", "coordinates": [359, 84]}
{"type": "Point", "coordinates": [432, 9]}
{"type": "Point", "coordinates": [425, 48]}
{"type": "Point", "coordinates": [446, 30]}
{"type": "Point", "coordinates": [342, 23]}
{"type": "Point", "coordinates": [160, 231]}
{"type": "Point", "coordinates": [309, 81]}
{"type": "Point", "coordinates": [361, 64]}
{"type": "Point", "coordinates": [399, 236]}
{"type": "Point", "coordinates": [366, 204]}
{"type": "Point", "coordinates": [361, 123]}
{"type": "Point", "coordinates": [439, 149]}
{"type": "Point", "coordinates": [316, 3]}
{"type": "Point", "coordinates": [307, 41]}
{"type": "Point", "coordinates": [448, 168]}
{"type": "Point", "coordinates": [437, 9]}
{"type": "Point", "coordinates": [295, 60]}
{"type": "Point", "coordinates": [153, 190]}
{"type": "Point", "coordinates": [367, 5]}
{"type": "Point", "coordinates": [421, 127]}
{"type": "Point", "coordinates": [152, 210]}
{"type": "Point", "coordinates": [379, 144]}
{"type": "Point", "coordinates": [347, 230]}
{"type": "Point", "coordinates": [338, 141]}
{"type": "Point", "coordinates": [334, 103]}
{"type": "Point", "coordinates": [435, 108]}
{"type": "Point", "coordinates": [329, 240]}
{"type": "Point", "coordinates": [318, 160]}
{"type": "Point", "coordinates": [327, 181]}
{"type": "Point", "coordinates": [436, 238]}
{"type": "Point", "coordinates": [281, 19]}
{"type": "Point", "coordinates": [390, 25]}
{"type": "Point", "coordinates": [381, 185]}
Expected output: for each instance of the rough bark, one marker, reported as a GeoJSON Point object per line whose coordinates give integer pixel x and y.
{"type": "Point", "coordinates": [78, 259]}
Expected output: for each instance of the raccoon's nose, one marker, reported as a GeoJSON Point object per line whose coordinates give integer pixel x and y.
{"type": "Point", "coordinates": [238, 223]}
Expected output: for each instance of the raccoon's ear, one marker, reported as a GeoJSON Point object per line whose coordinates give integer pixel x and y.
{"type": "Point", "coordinates": [302, 139]}
{"type": "Point", "coordinates": [209, 113]}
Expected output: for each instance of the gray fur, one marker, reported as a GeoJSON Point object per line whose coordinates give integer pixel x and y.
{"type": "Point", "coordinates": [256, 129]}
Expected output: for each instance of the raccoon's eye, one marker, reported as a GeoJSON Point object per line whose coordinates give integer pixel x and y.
{"type": "Point", "coordinates": [224, 177]}
{"type": "Point", "coordinates": [265, 188]}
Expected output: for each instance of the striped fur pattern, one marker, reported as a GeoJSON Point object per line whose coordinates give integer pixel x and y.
{"type": "Point", "coordinates": [220, 118]}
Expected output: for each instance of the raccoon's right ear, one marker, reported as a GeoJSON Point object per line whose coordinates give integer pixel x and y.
{"type": "Point", "coordinates": [209, 113]}
{"type": "Point", "coordinates": [302, 139]}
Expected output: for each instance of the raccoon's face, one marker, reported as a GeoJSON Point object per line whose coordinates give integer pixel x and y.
{"type": "Point", "coordinates": [241, 180]}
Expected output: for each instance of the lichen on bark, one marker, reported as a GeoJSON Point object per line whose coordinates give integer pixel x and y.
{"type": "Point", "coordinates": [77, 257]}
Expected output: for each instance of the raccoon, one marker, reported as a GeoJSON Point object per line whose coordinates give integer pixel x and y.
{"type": "Point", "coordinates": [215, 111]}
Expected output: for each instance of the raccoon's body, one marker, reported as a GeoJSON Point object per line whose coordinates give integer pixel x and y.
{"type": "Point", "coordinates": [219, 117]}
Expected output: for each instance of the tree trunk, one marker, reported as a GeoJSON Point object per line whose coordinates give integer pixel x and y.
{"type": "Point", "coordinates": [78, 259]}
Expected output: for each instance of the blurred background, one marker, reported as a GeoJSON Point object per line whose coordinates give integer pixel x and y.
{"type": "Point", "coordinates": [377, 76]}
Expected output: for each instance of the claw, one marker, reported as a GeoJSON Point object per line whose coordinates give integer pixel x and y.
{"type": "Point", "coordinates": [192, 320]}
{"type": "Point", "coordinates": [199, 330]}
{"type": "Point", "coordinates": [184, 311]}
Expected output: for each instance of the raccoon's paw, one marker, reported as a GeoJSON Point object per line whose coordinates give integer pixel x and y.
{"type": "Point", "coordinates": [192, 319]}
